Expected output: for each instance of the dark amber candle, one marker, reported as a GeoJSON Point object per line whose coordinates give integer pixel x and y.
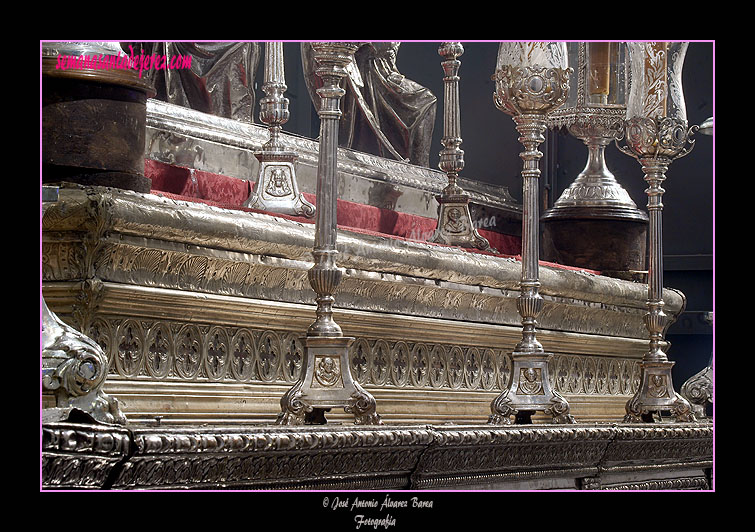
{"type": "Point", "coordinates": [599, 67]}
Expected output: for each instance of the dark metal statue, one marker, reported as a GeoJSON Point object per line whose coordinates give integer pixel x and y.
{"type": "Point", "coordinates": [220, 80]}
{"type": "Point", "coordinates": [384, 113]}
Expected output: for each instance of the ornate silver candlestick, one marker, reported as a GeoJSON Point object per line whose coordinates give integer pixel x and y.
{"type": "Point", "coordinates": [657, 133]}
{"type": "Point", "coordinates": [326, 380]}
{"type": "Point", "coordinates": [455, 225]}
{"type": "Point", "coordinates": [531, 80]}
{"type": "Point", "coordinates": [594, 223]}
{"type": "Point", "coordinates": [276, 189]}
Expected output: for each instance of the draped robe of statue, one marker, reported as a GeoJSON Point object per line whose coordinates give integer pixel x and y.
{"type": "Point", "coordinates": [220, 81]}
{"type": "Point", "coordinates": [384, 113]}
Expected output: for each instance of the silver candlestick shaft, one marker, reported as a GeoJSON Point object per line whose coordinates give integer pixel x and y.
{"type": "Point", "coordinates": [656, 392]}
{"type": "Point", "coordinates": [527, 91]}
{"type": "Point", "coordinates": [276, 189]}
{"type": "Point", "coordinates": [454, 225]}
{"type": "Point", "coordinates": [326, 380]}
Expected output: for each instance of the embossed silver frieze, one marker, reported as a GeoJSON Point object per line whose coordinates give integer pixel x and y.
{"type": "Point", "coordinates": [172, 351]}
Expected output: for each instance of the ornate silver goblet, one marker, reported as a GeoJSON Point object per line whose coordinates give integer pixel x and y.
{"type": "Point", "coordinates": [594, 223]}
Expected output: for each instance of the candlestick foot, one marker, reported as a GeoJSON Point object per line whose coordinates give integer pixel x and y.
{"type": "Point", "coordinates": [455, 227]}
{"type": "Point", "coordinates": [530, 391]}
{"type": "Point", "coordinates": [327, 383]}
{"type": "Point", "coordinates": [655, 395]}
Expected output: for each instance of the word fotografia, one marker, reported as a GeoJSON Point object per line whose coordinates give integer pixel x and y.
{"type": "Point", "coordinates": [123, 62]}
{"type": "Point", "coordinates": [374, 522]}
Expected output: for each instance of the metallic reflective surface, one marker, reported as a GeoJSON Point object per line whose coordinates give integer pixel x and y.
{"type": "Point", "coordinates": [198, 316]}
{"type": "Point", "coordinates": [74, 368]}
{"type": "Point", "coordinates": [434, 325]}
{"type": "Point", "coordinates": [425, 457]}
{"type": "Point", "coordinates": [595, 192]}
{"type": "Point", "coordinates": [698, 390]}
{"type": "Point", "coordinates": [454, 225]}
{"type": "Point", "coordinates": [594, 221]}
{"type": "Point", "coordinates": [188, 138]}
{"type": "Point", "coordinates": [656, 133]}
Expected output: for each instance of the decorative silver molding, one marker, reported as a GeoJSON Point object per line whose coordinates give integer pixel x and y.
{"type": "Point", "coordinates": [698, 391]}
{"type": "Point", "coordinates": [691, 483]}
{"type": "Point", "coordinates": [174, 351]}
{"type": "Point", "coordinates": [216, 251]}
{"type": "Point", "coordinates": [396, 457]}
{"type": "Point", "coordinates": [82, 456]}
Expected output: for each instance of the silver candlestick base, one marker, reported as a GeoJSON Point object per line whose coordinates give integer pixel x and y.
{"type": "Point", "coordinates": [455, 227]}
{"type": "Point", "coordinates": [656, 394]}
{"type": "Point", "coordinates": [276, 189]}
{"type": "Point", "coordinates": [530, 391]}
{"type": "Point", "coordinates": [327, 384]}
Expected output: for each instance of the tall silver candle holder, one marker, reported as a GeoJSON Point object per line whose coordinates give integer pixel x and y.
{"type": "Point", "coordinates": [594, 223]}
{"type": "Point", "coordinates": [276, 189]}
{"type": "Point", "coordinates": [531, 80]}
{"type": "Point", "coordinates": [326, 381]}
{"type": "Point", "coordinates": [656, 133]}
{"type": "Point", "coordinates": [454, 225]}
